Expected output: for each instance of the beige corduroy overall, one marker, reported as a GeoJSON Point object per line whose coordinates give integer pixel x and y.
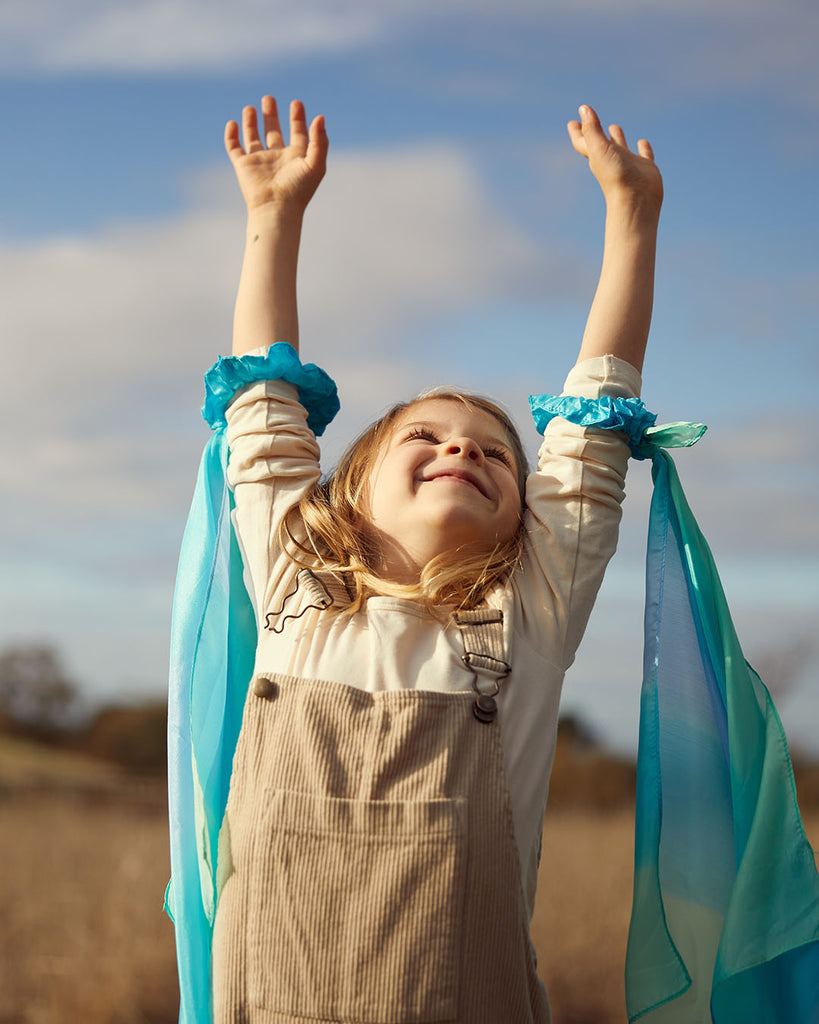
{"type": "Point", "coordinates": [369, 864]}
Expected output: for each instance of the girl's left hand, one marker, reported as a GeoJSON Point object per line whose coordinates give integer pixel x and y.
{"type": "Point", "coordinates": [271, 174]}
{"type": "Point", "coordinates": [620, 172]}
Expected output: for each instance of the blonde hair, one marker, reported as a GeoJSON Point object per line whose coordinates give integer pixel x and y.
{"type": "Point", "coordinates": [331, 514]}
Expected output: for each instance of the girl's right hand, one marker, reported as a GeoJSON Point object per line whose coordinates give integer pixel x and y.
{"type": "Point", "coordinates": [273, 176]}
{"type": "Point", "coordinates": [619, 171]}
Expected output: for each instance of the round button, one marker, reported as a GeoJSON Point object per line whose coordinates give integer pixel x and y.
{"type": "Point", "coordinates": [485, 708]}
{"type": "Point", "coordinates": [264, 687]}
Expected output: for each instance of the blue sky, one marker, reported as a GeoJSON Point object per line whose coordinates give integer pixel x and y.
{"type": "Point", "coordinates": [456, 239]}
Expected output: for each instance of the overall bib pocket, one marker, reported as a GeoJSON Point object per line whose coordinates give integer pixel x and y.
{"type": "Point", "coordinates": [356, 908]}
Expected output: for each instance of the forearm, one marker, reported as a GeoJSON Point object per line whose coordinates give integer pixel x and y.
{"type": "Point", "coordinates": [266, 308]}
{"type": "Point", "coordinates": [620, 315]}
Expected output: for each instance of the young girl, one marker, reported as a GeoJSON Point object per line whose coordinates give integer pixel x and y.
{"type": "Point", "coordinates": [416, 614]}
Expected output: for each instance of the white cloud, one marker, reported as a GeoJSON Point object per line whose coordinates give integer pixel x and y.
{"type": "Point", "coordinates": [122, 321]}
{"type": "Point", "coordinates": [408, 234]}
{"type": "Point", "coordinates": [736, 42]}
{"type": "Point", "coordinates": [112, 332]}
{"type": "Point", "coordinates": [162, 35]}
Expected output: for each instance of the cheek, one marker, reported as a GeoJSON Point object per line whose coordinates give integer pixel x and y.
{"type": "Point", "coordinates": [512, 491]}
{"type": "Point", "coordinates": [515, 518]}
{"type": "Point", "coordinates": [515, 510]}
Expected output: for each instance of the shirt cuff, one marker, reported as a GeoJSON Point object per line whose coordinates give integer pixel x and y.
{"type": "Point", "coordinates": [603, 375]}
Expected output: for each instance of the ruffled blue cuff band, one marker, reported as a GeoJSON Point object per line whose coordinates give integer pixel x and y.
{"type": "Point", "coordinates": [317, 390]}
{"type": "Point", "coordinates": [627, 415]}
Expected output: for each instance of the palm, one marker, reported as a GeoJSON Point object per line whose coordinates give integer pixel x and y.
{"type": "Point", "coordinates": [271, 172]}
{"type": "Point", "coordinates": [273, 176]}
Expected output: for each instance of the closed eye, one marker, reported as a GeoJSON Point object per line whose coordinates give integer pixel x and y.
{"type": "Point", "coordinates": [498, 453]}
{"type": "Point", "coordinates": [425, 434]}
{"type": "Point", "coordinates": [421, 434]}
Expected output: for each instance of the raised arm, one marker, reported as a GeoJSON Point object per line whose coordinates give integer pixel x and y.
{"type": "Point", "coordinates": [620, 314]}
{"type": "Point", "coordinates": [277, 183]}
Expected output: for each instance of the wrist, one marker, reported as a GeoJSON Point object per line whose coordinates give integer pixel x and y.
{"type": "Point", "coordinates": [634, 212]}
{"type": "Point", "coordinates": [274, 218]}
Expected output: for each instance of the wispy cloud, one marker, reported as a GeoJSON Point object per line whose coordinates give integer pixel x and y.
{"type": "Point", "coordinates": [113, 325]}
{"type": "Point", "coordinates": [113, 331]}
{"type": "Point", "coordinates": [172, 35]}
{"type": "Point", "coordinates": [732, 43]}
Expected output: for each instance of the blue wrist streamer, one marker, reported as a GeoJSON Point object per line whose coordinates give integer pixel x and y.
{"type": "Point", "coordinates": [317, 391]}
{"type": "Point", "coordinates": [627, 415]}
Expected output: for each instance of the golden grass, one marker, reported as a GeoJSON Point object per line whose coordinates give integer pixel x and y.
{"type": "Point", "coordinates": [84, 939]}
{"type": "Point", "coordinates": [582, 914]}
{"type": "Point", "coordinates": [23, 763]}
{"type": "Point", "coordinates": [583, 907]}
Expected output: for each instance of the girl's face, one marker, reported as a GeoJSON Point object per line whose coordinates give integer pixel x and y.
{"type": "Point", "coordinates": [447, 477]}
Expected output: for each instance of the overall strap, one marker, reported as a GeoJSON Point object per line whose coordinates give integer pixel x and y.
{"type": "Point", "coordinates": [322, 588]}
{"type": "Point", "coordinates": [485, 654]}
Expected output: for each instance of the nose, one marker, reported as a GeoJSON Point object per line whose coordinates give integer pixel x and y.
{"type": "Point", "coordinates": [466, 448]}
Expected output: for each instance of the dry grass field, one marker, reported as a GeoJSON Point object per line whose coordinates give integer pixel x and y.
{"type": "Point", "coordinates": [83, 866]}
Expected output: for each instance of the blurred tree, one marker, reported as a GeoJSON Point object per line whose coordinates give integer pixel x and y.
{"type": "Point", "coordinates": [573, 730]}
{"type": "Point", "coordinates": [35, 690]}
{"type": "Point", "coordinates": [133, 737]}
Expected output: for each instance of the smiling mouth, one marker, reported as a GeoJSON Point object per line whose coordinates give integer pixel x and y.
{"type": "Point", "coordinates": [459, 477]}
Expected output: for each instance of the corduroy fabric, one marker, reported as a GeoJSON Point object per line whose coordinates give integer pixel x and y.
{"type": "Point", "coordinates": [368, 866]}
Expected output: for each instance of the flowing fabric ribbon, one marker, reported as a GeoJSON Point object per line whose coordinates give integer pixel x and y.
{"type": "Point", "coordinates": [213, 646]}
{"type": "Point", "coordinates": [725, 912]}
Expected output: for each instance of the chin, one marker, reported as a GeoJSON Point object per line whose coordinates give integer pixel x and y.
{"type": "Point", "coordinates": [476, 541]}
{"type": "Point", "coordinates": [459, 527]}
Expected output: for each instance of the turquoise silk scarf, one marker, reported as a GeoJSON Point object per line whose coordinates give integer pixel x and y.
{"type": "Point", "coordinates": [213, 646]}
{"type": "Point", "coordinates": [725, 912]}
{"type": "Point", "coordinates": [725, 918]}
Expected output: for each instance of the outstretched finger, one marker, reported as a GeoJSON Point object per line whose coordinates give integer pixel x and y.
{"type": "Point", "coordinates": [270, 120]}
{"type": "Point", "coordinates": [317, 146]}
{"type": "Point", "coordinates": [576, 136]}
{"type": "Point", "coordinates": [232, 144]}
{"type": "Point", "coordinates": [618, 135]}
{"type": "Point", "coordinates": [593, 133]}
{"type": "Point", "coordinates": [298, 128]}
{"type": "Point", "coordinates": [250, 130]}
{"type": "Point", "coordinates": [644, 149]}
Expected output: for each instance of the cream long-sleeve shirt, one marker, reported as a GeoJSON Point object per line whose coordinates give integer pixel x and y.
{"type": "Point", "coordinates": [571, 523]}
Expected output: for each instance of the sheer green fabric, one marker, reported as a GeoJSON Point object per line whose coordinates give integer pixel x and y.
{"type": "Point", "coordinates": [725, 913]}
{"type": "Point", "coordinates": [725, 916]}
